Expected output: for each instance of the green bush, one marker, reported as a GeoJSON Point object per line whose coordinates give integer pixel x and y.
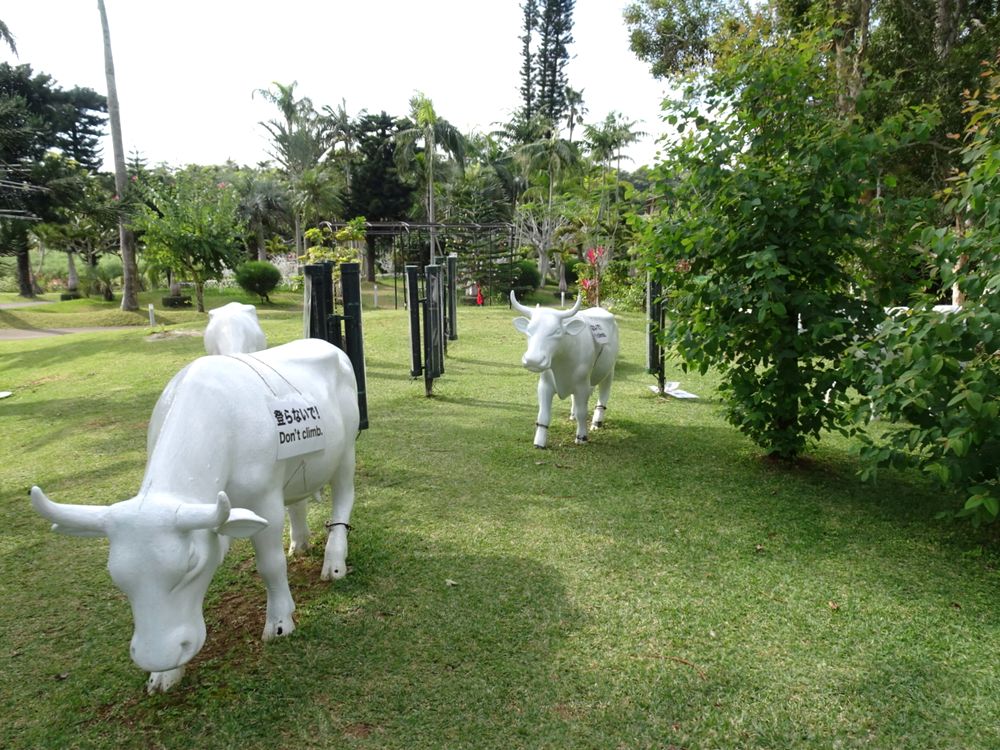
{"type": "Point", "coordinates": [258, 277]}
{"type": "Point", "coordinates": [525, 277]}
{"type": "Point", "coordinates": [572, 272]}
{"type": "Point", "coordinates": [101, 278]}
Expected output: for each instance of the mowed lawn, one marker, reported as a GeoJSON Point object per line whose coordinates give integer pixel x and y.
{"type": "Point", "coordinates": [661, 587]}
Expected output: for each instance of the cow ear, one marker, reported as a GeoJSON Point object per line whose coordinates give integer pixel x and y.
{"type": "Point", "coordinates": [522, 324]}
{"type": "Point", "coordinates": [242, 523]}
{"type": "Point", "coordinates": [575, 326]}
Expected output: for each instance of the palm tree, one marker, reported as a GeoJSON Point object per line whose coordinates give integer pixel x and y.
{"type": "Point", "coordinates": [548, 157]}
{"type": "Point", "coordinates": [575, 110]}
{"type": "Point", "coordinates": [341, 129]}
{"type": "Point", "coordinates": [431, 131]}
{"type": "Point", "coordinates": [7, 38]}
{"type": "Point", "coordinates": [606, 141]}
{"type": "Point", "coordinates": [300, 145]}
{"type": "Point", "coordinates": [130, 269]}
{"type": "Point", "coordinates": [262, 201]}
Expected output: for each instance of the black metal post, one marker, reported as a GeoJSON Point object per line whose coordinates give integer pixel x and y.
{"type": "Point", "coordinates": [452, 297]}
{"type": "Point", "coordinates": [413, 306]}
{"type": "Point", "coordinates": [318, 299]}
{"type": "Point", "coordinates": [654, 324]}
{"type": "Point", "coordinates": [350, 283]}
{"type": "Point", "coordinates": [433, 327]}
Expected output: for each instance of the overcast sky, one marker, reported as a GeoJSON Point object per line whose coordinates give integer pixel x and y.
{"type": "Point", "coordinates": [187, 70]}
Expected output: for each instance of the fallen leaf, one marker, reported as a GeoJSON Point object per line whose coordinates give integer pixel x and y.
{"type": "Point", "coordinates": [833, 605]}
{"type": "Point", "coordinates": [449, 582]}
{"type": "Point", "coordinates": [956, 605]}
{"type": "Point", "coordinates": [758, 548]}
{"type": "Point", "coordinates": [61, 676]}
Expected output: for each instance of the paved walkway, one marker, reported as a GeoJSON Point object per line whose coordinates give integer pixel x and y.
{"type": "Point", "coordinates": [25, 303]}
{"type": "Point", "coordinates": [17, 334]}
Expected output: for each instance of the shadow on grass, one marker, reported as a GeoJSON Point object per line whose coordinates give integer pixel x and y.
{"type": "Point", "coordinates": [470, 656]}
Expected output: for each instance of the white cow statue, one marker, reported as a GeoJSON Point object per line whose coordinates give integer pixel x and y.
{"type": "Point", "coordinates": [573, 351]}
{"type": "Point", "coordinates": [233, 439]}
{"type": "Point", "coordinates": [233, 329]}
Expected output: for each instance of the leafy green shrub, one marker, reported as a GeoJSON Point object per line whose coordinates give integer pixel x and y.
{"type": "Point", "coordinates": [258, 277]}
{"type": "Point", "coordinates": [572, 272]}
{"type": "Point", "coordinates": [621, 290]}
{"type": "Point", "coordinates": [763, 255]}
{"type": "Point", "coordinates": [101, 278]}
{"type": "Point", "coordinates": [525, 277]}
{"type": "Point", "coordinates": [938, 376]}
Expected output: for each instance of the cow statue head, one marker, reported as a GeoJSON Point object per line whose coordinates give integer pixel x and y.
{"type": "Point", "coordinates": [163, 554]}
{"type": "Point", "coordinates": [544, 328]}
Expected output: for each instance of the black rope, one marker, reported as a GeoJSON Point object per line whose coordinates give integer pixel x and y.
{"type": "Point", "coordinates": [330, 524]}
{"type": "Point", "coordinates": [539, 424]}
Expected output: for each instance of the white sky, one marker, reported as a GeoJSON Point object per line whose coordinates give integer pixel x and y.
{"type": "Point", "coordinates": [186, 71]}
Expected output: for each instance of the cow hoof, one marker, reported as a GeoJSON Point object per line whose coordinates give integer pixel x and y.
{"type": "Point", "coordinates": [161, 682]}
{"type": "Point", "coordinates": [297, 550]}
{"type": "Point", "coordinates": [278, 628]}
{"type": "Point", "coordinates": [581, 440]}
{"type": "Point", "coordinates": [333, 571]}
{"type": "Point", "coordinates": [540, 447]}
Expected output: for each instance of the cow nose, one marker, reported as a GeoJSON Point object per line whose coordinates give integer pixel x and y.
{"type": "Point", "coordinates": [167, 650]}
{"type": "Point", "coordinates": [535, 364]}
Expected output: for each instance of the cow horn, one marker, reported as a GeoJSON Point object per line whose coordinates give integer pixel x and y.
{"type": "Point", "coordinates": [564, 314]}
{"type": "Point", "coordinates": [88, 519]}
{"type": "Point", "coordinates": [191, 516]}
{"type": "Point", "coordinates": [523, 309]}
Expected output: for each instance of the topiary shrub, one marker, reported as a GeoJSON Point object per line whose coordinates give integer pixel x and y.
{"type": "Point", "coordinates": [258, 277]}
{"type": "Point", "coordinates": [524, 277]}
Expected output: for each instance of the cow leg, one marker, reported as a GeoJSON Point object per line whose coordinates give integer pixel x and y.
{"type": "Point", "coordinates": [342, 487]}
{"type": "Point", "coordinates": [270, 553]}
{"type": "Point", "coordinates": [580, 398]}
{"type": "Point", "coordinates": [603, 392]}
{"type": "Point", "coordinates": [297, 517]}
{"type": "Point", "coordinates": [546, 390]}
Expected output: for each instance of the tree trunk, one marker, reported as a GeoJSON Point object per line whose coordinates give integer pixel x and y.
{"type": "Point", "coordinates": [786, 420]}
{"type": "Point", "coordinates": [72, 278]}
{"type": "Point", "coordinates": [199, 294]}
{"type": "Point", "coordinates": [261, 245]}
{"type": "Point", "coordinates": [24, 281]}
{"type": "Point", "coordinates": [947, 18]}
{"type": "Point", "coordinates": [854, 19]}
{"type": "Point", "coordinates": [130, 269]}
{"type": "Point", "coordinates": [300, 245]}
{"type": "Point", "coordinates": [430, 201]}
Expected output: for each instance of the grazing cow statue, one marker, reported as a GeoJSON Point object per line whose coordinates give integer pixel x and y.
{"type": "Point", "coordinates": [573, 351]}
{"type": "Point", "coordinates": [233, 439]}
{"type": "Point", "coordinates": [233, 329]}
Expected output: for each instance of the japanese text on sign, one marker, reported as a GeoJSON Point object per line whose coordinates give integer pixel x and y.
{"type": "Point", "coordinates": [298, 426]}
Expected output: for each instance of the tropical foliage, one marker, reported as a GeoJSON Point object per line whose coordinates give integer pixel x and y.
{"type": "Point", "coordinates": [191, 225]}
{"type": "Point", "coordinates": [764, 248]}
{"type": "Point", "coordinates": [936, 374]}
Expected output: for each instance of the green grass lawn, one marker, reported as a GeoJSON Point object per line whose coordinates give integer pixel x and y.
{"type": "Point", "coordinates": [661, 587]}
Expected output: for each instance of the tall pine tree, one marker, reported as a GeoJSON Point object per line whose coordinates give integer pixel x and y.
{"type": "Point", "coordinates": [548, 32]}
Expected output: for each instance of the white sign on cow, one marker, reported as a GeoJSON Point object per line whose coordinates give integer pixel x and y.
{"type": "Point", "coordinates": [573, 351]}
{"type": "Point", "coordinates": [232, 329]}
{"type": "Point", "coordinates": [216, 470]}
